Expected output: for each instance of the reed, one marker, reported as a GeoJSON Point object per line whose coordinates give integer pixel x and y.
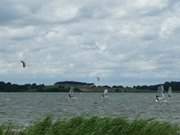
{"type": "Point", "coordinates": [94, 126]}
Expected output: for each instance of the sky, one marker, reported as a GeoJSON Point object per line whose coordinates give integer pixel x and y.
{"type": "Point", "coordinates": [124, 42]}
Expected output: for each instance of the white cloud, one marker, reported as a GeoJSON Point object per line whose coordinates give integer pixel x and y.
{"type": "Point", "coordinates": [170, 26]}
{"type": "Point", "coordinates": [81, 39]}
{"type": "Point", "coordinates": [57, 11]}
{"type": "Point", "coordinates": [17, 33]}
{"type": "Point", "coordinates": [142, 4]}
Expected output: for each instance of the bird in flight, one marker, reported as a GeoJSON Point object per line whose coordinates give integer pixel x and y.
{"type": "Point", "coordinates": [23, 63]}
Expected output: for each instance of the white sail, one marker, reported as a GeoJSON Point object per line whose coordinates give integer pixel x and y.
{"type": "Point", "coordinates": [160, 97]}
{"type": "Point", "coordinates": [70, 94]}
{"type": "Point", "coordinates": [71, 91]}
{"type": "Point", "coordinates": [169, 91]}
{"type": "Point", "coordinates": [105, 91]}
{"type": "Point", "coordinates": [160, 91]}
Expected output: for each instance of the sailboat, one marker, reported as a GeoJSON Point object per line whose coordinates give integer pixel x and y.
{"type": "Point", "coordinates": [105, 93]}
{"type": "Point", "coordinates": [70, 94]}
{"type": "Point", "coordinates": [160, 97]}
{"type": "Point", "coordinates": [170, 91]}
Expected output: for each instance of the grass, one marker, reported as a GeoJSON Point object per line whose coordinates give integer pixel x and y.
{"type": "Point", "coordinates": [93, 126]}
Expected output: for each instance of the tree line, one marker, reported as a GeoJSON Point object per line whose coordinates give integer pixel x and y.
{"type": "Point", "coordinates": [173, 84]}
{"type": "Point", "coordinates": [10, 87]}
{"type": "Point", "coordinates": [67, 85]}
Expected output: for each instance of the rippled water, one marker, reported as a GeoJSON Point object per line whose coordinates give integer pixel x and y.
{"type": "Point", "coordinates": [25, 107]}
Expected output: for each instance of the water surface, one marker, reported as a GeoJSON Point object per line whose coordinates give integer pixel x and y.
{"type": "Point", "coordinates": [26, 107]}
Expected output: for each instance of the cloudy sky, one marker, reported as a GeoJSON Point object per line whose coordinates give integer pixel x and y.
{"type": "Point", "coordinates": [122, 41]}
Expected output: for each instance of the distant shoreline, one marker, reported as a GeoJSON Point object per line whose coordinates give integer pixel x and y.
{"type": "Point", "coordinates": [65, 86]}
{"type": "Point", "coordinates": [83, 92]}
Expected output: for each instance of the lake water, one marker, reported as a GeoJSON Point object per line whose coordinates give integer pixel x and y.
{"type": "Point", "coordinates": [23, 108]}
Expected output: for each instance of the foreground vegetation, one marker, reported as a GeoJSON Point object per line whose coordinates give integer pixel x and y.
{"type": "Point", "coordinates": [94, 126]}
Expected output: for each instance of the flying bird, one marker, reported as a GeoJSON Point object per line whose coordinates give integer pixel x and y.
{"type": "Point", "coordinates": [23, 63]}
